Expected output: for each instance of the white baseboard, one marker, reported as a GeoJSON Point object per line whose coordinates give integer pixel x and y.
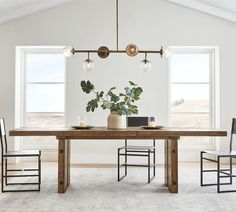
{"type": "Point", "coordinates": [184, 155]}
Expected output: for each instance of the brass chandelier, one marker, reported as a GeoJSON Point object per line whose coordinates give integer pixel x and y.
{"type": "Point", "coordinates": [103, 51]}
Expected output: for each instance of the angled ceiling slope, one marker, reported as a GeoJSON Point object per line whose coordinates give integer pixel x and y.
{"type": "Point", "coordinates": [12, 9]}
{"type": "Point", "coordinates": [225, 9]}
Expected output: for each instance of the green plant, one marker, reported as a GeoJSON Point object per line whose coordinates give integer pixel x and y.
{"type": "Point", "coordinates": [122, 103]}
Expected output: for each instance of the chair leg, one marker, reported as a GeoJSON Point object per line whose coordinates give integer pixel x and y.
{"type": "Point", "coordinates": [2, 178]}
{"type": "Point", "coordinates": [201, 169]}
{"type": "Point", "coordinates": [218, 174]}
{"type": "Point", "coordinates": [154, 163]}
{"type": "Point", "coordinates": [39, 172]}
{"type": "Point", "coordinates": [126, 161]}
{"type": "Point", "coordinates": [149, 178]}
{"type": "Point", "coordinates": [6, 171]}
{"type": "Point", "coordinates": [154, 159]}
{"type": "Point", "coordinates": [118, 162]}
{"type": "Point", "coordinates": [231, 172]}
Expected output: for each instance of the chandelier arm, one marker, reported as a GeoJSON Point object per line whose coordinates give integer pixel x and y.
{"type": "Point", "coordinates": [119, 51]}
{"type": "Point", "coordinates": [117, 25]}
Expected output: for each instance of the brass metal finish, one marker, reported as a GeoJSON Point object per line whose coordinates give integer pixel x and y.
{"type": "Point", "coordinates": [145, 59]}
{"type": "Point", "coordinates": [103, 52]}
{"type": "Point", "coordinates": [132, 50]}
{"type": "Point", "coordinates": [161, 51]}
{"type": "Point", "coordinates": [117, 25]}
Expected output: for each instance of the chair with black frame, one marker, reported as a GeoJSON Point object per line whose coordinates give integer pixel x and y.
{"type": "Point", "coordinates": [137, 151]}
{"type": "Point", "coordinates": [7, 173]}
{"type": "Point", "coordinates": [221, 173]}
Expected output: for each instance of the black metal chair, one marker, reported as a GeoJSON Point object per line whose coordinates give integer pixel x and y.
{"type": "Point", "coordinates": [221, 173]}
{"type": "Point", "coordinates": [9, 173]}
{"type": "Point", "coordinates": [137, 151]}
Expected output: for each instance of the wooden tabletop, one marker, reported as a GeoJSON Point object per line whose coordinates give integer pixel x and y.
{"type": "Point", "coordinates": [104, 133]}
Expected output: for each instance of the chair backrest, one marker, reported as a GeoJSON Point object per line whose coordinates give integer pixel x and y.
{"type": "Point", "coordinates": [233, 131]}
{"type": "Point", "coordinates": [137, 121]}
{"type": "Point", "coordinates": [3, 137]}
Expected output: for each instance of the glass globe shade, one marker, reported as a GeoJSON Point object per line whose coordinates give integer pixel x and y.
{"type": "Point", "coordinates": [167, 52]}
{"type": "Point", "coordinates": [145, 65]}
{"type": "Point", "coordinates": [88, 65]}
{"type": "Point", "coordinates": [68, 51]}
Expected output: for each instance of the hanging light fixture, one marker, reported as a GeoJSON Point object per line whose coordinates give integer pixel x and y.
{"type": "Point", "coordinates": [145, 64]}
{"type": "Point", "coordinates": [68, 51]}
{"type": "Point", "coordinates": [88, 64]}
{"type": "Point", "coordinates": [103, 52]}
{"type": "Point", "coordinates": [167, 52]}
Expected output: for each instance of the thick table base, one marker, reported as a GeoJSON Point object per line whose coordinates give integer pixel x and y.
{"type": "Point", "coordinates": [63, 164]}
{"type": "Point", "coordinates": [171, 164]}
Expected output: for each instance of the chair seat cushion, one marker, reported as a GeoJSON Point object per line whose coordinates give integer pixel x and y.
{"type": "Point", "coordinates": [23, 153]}
{"type": "Point", "coordinates": [221, 153]}
{"type": "Point", "coordinates": [138, 147]}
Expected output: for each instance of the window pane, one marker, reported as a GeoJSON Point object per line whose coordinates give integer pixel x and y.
{"type": "Point", "coordinates": [190, 68]}
{"type": "Point", "coordinates": [45, 67]}
{"type": "Point", "coordinates": [190, 120]}
{"type": "Point", "coordinates": [190, 106]}
{"type": "Point", "coordinates": [39, 142]}
{"type": "Point", "coordinates": [42, 120]}
{"type": "Point", "coordinates": [45, 98]}
{"type": "Point", "coordinates": [198, 141]}
{"type": "Point", "coordinates": [189, 98]}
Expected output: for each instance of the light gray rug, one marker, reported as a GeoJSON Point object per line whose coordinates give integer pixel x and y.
{"type": "Point", "coordinates": [98, 190]}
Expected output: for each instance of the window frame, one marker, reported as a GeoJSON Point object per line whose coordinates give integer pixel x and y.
{"type": "Point", "coordinates": [21, 87]}
{"type": "Point", "coordinates": [214, 91]}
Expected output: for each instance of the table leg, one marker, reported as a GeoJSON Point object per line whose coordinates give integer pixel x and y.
{"type": "Point", "coordinates": [68, 161]}
{"type": "Point", "coordinates": [171, 166]}
{"type": "Point", "coordinates": [166, 162]}
{"type": "Point", "coordinates": [62, 165]}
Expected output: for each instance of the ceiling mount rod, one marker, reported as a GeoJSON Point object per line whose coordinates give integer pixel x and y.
{"type": "Point", "coordinates": [117, 25]}
{"type": "Point", "coordinates": [103, 51]}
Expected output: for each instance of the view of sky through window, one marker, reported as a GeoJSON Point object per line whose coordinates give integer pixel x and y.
{"type": "Point", "coordinates": [45, 82]}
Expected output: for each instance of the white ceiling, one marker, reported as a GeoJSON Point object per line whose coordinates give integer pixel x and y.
{"type": "Point", "coordinates": [225, 9]}
{"type": "Point", "coordinates": [229, 5]}
{"type": "Point", "coordinates": [11, 9]}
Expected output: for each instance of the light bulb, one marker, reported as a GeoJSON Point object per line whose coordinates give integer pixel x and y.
{"type": "Point", "coordinates": [145, 65]}
{"type": "Point", "coordinates": [167, 52]}
{"type": "Point", "coordinates": [88, 65]}
{"type": "Point", "coordinates": [68, 51]}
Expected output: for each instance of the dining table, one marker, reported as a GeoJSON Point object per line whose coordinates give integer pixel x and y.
{"type": "Point", "coordinates": [171, 136]}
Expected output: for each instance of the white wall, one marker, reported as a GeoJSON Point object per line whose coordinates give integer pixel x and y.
{"type": "Point", "coordinates": [90, 24]}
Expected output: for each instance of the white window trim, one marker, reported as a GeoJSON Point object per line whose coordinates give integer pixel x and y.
{"type": "Point", "coordinates": [214, 89]}
{"type": "Point", "coordinates": [20, 83]}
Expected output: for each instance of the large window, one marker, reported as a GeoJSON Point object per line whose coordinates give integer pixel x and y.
{"type": "Point", "coordinates": [192, 91]}
{"type": "Point", "coordinates": [43, 92]}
